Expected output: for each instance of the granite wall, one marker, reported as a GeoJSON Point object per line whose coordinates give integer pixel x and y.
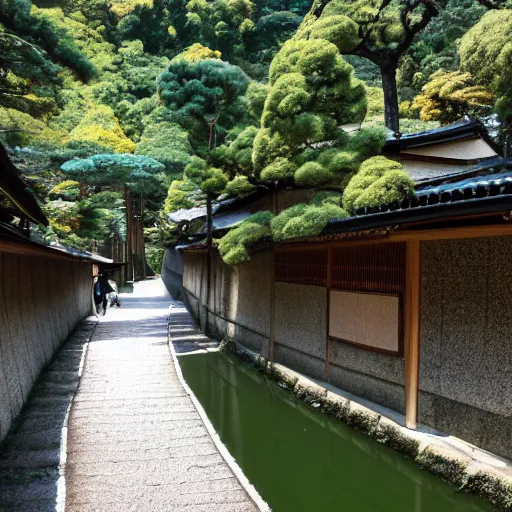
{"type": "Point", "coordinates": [466, 340]}
{"type": "Point", "coordinates": [41, 302]}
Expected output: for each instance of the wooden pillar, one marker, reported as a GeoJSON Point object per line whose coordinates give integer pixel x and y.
{"type": "Point", "coordinates": [209, 239]}
{"type": "Point", "coordinates": [272, 308]}
{"type": "Point", "coordinates": [129, 233]}
{"type": "Point", "coordinates": [412, 333]}
{"type": "Point", "coordinates": [328, 314]}
{"type": "Point", "coordinates": [273, 289]}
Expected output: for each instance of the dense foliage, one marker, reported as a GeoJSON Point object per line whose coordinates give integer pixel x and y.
{"type": "Point", "coordinates": [181, 102]}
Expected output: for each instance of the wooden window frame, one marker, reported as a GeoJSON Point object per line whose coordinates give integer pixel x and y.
{"type": "Point", "coordinates": [370, 348]}
{"type": "Point", "coordinates": [401, 307]}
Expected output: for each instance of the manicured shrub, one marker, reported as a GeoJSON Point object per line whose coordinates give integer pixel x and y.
{"type": "Point", "coordinates": [239, 186]}
{"type": "Point", "coordinates": [303, 220]}
{"type": "Point", "coordinates": [234, 246]}
{"type": "Point", "coordinates": [393, 186]}
{"type": "Point", "coordinates": [214, 182]}
{"type": "Point", "coordinates": [379, 181]}
{"type": "Point", "coordinates": [312, 174]}
{"type": "Point", "coordinates": [280, 169]}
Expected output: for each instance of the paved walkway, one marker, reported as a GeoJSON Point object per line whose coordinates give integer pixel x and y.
{"type": "Point", "coordinates": [136, 441]}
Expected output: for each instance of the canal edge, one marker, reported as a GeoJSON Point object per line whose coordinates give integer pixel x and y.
{"type": "Point", "coordinates": [60, 501]}
{"type": "Point", "coordinates": [254, 495]}
{"type": "Point", "coordinates": [457, 462]}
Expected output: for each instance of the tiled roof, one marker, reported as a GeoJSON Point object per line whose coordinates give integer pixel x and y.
{"type": "Point", "coordinates": [11, 234]}
{"type": "Point", "coordinates": [477, 195]}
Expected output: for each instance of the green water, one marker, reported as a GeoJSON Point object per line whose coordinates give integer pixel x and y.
{"type": "Point", "coordinates": [301, 460]}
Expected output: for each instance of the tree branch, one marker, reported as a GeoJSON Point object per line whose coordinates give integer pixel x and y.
{"type": "Point", "coordinates": [372, 24]}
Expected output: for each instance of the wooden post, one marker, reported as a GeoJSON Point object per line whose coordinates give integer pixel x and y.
{"type": "Point", "coordinates": [328, 315]}
{"type": "Point", "coordinates": [272, 308]}
{"type": "Point", "coordinates": [209, 239]}
{"type": "Point", "coordinates": [412, 333]}
{"type": "Point", "coordinates": [273, 289]}
{"type": "Point", "coordinates": [129, 233]}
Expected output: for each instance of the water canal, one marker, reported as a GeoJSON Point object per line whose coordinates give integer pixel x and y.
{"type": "Point", "coordinates": [301, 460]}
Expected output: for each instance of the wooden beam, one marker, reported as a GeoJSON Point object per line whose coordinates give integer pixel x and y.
{"type": "Point", "coordinates": [406, 236]}
{"type": "Point", "coordinates": [328, 316]}
{"type": "Point", "coordinates": [41, 252]}
{"type": "Point", "coordinates": [412, 332]}
{"type": "Point", "coordinates": [272, 309]}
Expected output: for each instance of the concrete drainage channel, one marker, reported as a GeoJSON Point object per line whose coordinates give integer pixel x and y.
{"type": "Point", "coordinates": [33, 456]}
{"type": "Point", "coordinates": [465, 466]}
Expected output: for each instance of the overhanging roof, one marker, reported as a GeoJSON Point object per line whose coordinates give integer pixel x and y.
{"type": "Point", "coordinates": [13, 240]}
{"type": "Point", "coordinates": [454, 131]}
{"type": "Point", "coordinates": [472, 196]}
{"type": "Point", "coordinates": [15, 188]}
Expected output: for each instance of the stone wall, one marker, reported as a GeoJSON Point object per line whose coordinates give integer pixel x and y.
{"type": "Point", "coordinates": [466, 340]}
{"type": "Point", "coordinates": [41, 302]}
{"type": "Point", "coordinates": [172, 272]}
{"type": "Point", "coordinates": [239, 305]}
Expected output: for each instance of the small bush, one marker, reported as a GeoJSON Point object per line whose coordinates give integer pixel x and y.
{"type": "Point", "coordinates": [279, 170]}
{"type": "Point", "coordinates": [325, 197]}
{"type": "Point", "coordinates": [279, 222]}
{"type": "Point", "coordinates": [155, 258]}
{"type": "Point", "coordinates": [393, 186]}
{"type": "Point", "coordinates": [306, 219]}
{"type": "Point", "coordinates": [379, 181]}
{"type": "Point", "coordinates": [215, 182]}
{"type": "Point", "coordinates": [234, 246]}
{"type": "Point", "coordinates": [239, 186]}
{"type": "Point", "coordinates": [312, 174]}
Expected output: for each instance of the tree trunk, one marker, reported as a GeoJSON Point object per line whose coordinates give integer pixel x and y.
{"type": "Point", "coordinates": [391, 118]}
{"type": "Point", "coordinates": [139, 257]}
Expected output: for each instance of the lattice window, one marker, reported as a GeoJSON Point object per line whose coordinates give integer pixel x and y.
{"type": "Point", "coordinates": [307, 267]}
{"type": "Point", "coordinates": [367, 285]}
{"type": "Point", "coordinates": [378, 268]}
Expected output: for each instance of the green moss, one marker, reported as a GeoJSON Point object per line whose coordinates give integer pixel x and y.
{"type": "Point", "coordinates": [239, 186]}
{"type": "Point", "coordinates": [453, 471]}
{"type": "Point", "coordinates": [496, 490]}
{"type": "Point", "coordinates": [280, 169]}
{"type": "Point", "coordinates": [312, 174]}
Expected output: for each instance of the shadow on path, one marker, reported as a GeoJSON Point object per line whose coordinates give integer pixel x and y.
{"type": "Point", "coordinates": [30, 455]}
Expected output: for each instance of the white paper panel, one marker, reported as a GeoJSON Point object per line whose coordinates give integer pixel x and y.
{"type": "Point", "coordinates": [364, 318]}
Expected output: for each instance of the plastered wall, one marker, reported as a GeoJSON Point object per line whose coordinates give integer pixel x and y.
{"type": "Point", "coordinates": [466, 340]}
{"type": "Point", "coordinates": [172, 272]}
{"type": "Point", "coordinates": [41, 302]}
{"type": "Point", "coordinates": [466, 335]}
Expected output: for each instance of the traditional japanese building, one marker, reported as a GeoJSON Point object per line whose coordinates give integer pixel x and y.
{"type": "Point", "coordinates": [405, 305]}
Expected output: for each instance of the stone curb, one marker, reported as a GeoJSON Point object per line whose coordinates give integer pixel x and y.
{"type": "Point", "coordinates": [60, 505]}
{"type": "Point", "coordinates": [466, 466]}
{"type": "Point", "coordinates": [230, 461]}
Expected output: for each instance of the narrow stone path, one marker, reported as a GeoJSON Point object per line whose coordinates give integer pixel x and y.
{"type": "Point", "coordinates": [136, 441]}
